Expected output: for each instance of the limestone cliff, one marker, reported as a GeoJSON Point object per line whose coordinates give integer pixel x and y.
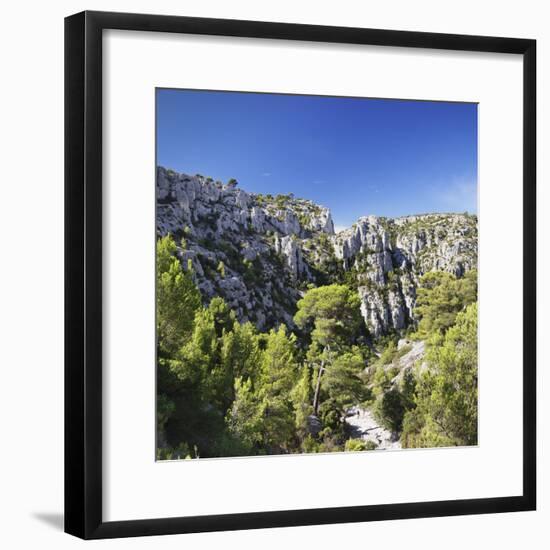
{"type": "Point", "coordinates": [261, 252]}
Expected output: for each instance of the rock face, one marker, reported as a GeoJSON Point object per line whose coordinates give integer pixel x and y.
{"type": "Point", "coordinates": [287, 247]}
{"type": "Point", "coordinates": [260, 252]}
{"type": "Point", "coordinates": [389, 256]}
{"type": "Point", "coordinates": [411, 356]}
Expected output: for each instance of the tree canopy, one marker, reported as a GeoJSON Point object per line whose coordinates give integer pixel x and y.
{"type": "Point", "coordinates": [177, 297]}
{"type": "Point", "coordinates": [333, 312]}
{"type": "Point", "coordinates": [446, 401]}
{"type": "Point", "coordinates": [440, 297]}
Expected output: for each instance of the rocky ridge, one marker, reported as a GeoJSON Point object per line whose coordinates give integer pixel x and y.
{"type": "Point", "coordinates": [261, 252]}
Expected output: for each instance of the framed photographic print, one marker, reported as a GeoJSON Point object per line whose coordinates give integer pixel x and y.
{"type": "Point", "coordinates": [286, 301]}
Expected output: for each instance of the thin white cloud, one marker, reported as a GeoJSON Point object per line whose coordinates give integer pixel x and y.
{"type": "Point", "coordinates": [266, 174]}
{"type": "Point", "coordinates": [460, 194]}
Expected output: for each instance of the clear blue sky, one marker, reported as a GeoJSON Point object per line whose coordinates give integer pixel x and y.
{"type": "Point", "coordinates": [355, 156]}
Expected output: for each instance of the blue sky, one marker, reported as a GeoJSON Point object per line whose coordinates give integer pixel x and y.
{"type": "Point", "coordinates": [356, 156]}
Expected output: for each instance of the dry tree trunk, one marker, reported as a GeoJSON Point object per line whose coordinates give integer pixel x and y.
{"type": "Point", "coordinates": [318, 385]}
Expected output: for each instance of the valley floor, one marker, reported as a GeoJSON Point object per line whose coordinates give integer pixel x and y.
{"type": "Point", "coordinates": [364, 426]}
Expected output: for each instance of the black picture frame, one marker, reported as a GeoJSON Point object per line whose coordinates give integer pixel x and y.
{"type": "Point", "coordinates": [83, 274]}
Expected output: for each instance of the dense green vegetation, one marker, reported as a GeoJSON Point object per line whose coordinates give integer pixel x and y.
{"type": "Point", "coordinates": [440, 298]}
{"type": "Point", "coordinates": [435, 405]}
{"type": "Point", "coordinates": [226, 389]}
{"type": "Point", "coordinates": [445, 412]}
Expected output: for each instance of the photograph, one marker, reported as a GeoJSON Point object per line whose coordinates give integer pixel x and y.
{"type": "Point", "coordinates": [316, 274]}
{"type": "Point", "coordinates": [245, 247]}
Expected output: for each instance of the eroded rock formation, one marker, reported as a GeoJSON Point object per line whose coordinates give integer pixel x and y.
{"type": "Point", "coordinates": [261, 252]}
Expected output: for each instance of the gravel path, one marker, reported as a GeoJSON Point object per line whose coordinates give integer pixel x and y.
{"type": "Point", "coordinates": [364, 426]}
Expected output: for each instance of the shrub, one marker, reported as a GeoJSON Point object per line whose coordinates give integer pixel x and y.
{"type": "Point", "coordinates": [388, 355]}
{"type": "Point", "coordinates": [355, 445]}
{"type": "Point", "coordinates": [309, 445]}
{"type": "Point", "coordinates": [175, 453]}
{"type": "Point", "coordinates": [389, 409]}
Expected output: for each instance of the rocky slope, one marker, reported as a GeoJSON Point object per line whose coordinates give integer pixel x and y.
{"type": "Point", "coordinates": [261, 252]}
{"type": "Point", "coordinates": [363, 425]}
{"type": "Point", "coordinates": [362, 422]}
